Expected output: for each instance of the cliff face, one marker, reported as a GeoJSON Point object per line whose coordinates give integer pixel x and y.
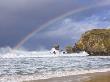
{"type": "Point", "coordinates": [95, 42]}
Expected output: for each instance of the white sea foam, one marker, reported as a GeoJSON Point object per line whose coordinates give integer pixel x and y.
{"type": "Point", "coordinates": [10, 53]}
{"type": "Point", "coordinates": [26, 65]}
{"type": "Point", "coordinates": [18, 78]}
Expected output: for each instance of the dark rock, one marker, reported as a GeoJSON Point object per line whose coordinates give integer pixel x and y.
{"type": "Point", "coordinates": [69, 49]}
{"type": "Point", "coordinates": [57, 47]}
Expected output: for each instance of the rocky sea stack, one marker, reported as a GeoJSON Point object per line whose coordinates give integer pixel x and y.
{"type": "Point", "coordinates": [95, 42]}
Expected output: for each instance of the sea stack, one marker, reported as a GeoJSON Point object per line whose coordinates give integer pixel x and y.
{"type": "Point", "coordinates": [95, 42]}
{"type": "Point", "coordinates": [56, 46]}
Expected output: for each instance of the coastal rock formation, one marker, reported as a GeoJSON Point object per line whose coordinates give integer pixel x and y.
{"type": "Point", "coordinates": [69, 49]}
{"type": "Point", "coordinates": [95, 42]}
{"type": "Point", "coordinates": [56, 46]}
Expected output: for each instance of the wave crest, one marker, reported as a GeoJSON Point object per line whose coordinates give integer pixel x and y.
{"type": "Point", "coordinates": [8, 52]}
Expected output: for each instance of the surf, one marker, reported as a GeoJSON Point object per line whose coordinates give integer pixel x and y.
{"type": "Point", "coordinates": [10, 53]}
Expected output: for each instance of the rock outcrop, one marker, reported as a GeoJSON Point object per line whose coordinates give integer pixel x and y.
{"type": "Point", "coordinates": [95, 42]}
{"type": "Point", "coordinates": [69, 49]}
{"type": "Point", "coordinates": [57, 47]}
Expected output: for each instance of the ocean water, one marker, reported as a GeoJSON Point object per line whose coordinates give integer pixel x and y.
{"type": "Point", "coordinates": [18, 66]}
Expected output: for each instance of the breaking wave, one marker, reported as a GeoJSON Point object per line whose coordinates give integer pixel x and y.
{"type": "Point", "coordinates": [22, 65]}
{"type": "Point", "coordinates": [18, 78]}
{"type": "Point", "coordinates": [12, 53]}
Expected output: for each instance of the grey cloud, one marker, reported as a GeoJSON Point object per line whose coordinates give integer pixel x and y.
{"type": "Point", "coordinates": [20, 17]}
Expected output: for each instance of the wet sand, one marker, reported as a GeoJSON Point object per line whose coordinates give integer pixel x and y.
{"type": "Point", "coordinates": [99, 77]}
{"type": "Point", "coordinates": [93, 77]}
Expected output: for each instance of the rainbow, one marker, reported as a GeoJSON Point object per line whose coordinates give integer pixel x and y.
{"type": "Point", "coordinates": [54, 20]}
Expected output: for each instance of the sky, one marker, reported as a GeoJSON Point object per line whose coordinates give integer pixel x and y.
{"type": "Point", "coordinates": [18, 18]}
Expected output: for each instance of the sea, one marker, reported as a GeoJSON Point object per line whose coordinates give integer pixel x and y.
{"type": "Point", "coordinates": [23, 65]}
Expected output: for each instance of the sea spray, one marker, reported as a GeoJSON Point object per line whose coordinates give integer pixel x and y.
{"type": "Point", "coordinates": [20, 53]}
{"type": "Point", "coordinates": [22, 65]}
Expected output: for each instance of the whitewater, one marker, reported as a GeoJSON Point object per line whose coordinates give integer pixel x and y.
{"type": "Point", "coordinates": [23, 65]}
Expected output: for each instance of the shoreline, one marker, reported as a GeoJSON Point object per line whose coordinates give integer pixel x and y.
{"type": "Point", "coordinates": [99, 77]}
{"type": "Point", "coordinates": [89, 77]}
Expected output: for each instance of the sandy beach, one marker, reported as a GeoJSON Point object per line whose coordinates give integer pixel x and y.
{"type": "Point", "coordinates": [99, 77]}
{"type": "Point", "coordinates": [93, 77]}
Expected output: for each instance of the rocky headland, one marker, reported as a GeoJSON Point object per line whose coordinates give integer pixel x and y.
{"type": "Point", "coordinates": [95, 42]}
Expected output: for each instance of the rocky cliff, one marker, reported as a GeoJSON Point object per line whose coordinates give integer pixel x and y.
{"type": "Point", "coordinates": [95, 42]}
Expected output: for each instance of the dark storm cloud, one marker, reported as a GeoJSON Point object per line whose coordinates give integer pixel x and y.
{"type": "Point", "coordinates": [19, 17]}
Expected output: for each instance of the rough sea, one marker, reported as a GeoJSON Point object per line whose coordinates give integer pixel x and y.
{"type": "Point", "coordinates": [19, 65]}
